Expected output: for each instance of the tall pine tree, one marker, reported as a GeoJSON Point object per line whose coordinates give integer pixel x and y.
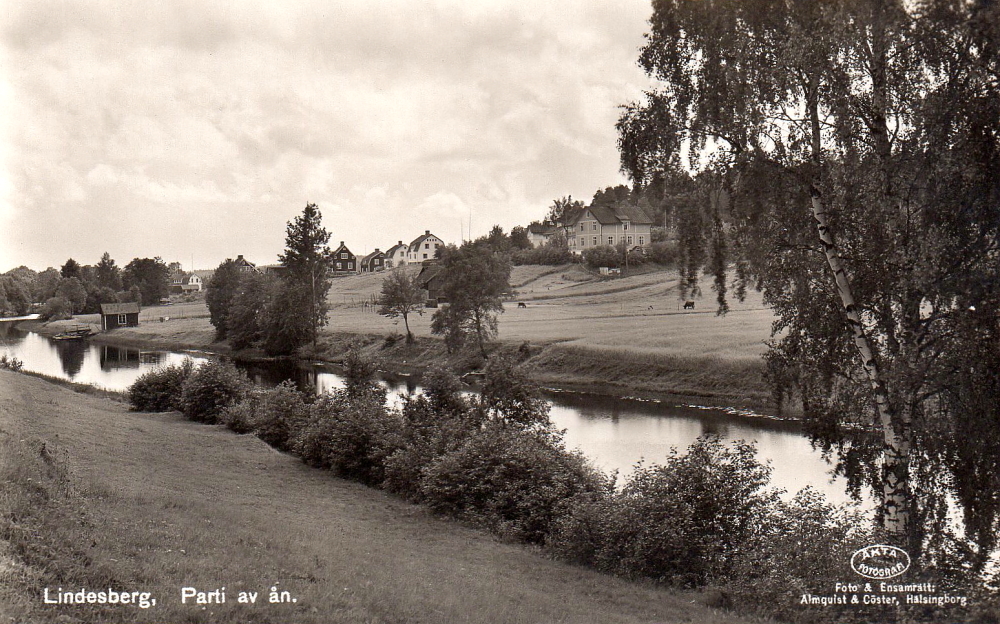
{"type": "Point", "coordinates": [308, 259]}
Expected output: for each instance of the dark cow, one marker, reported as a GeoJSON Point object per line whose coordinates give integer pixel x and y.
{"type": "Point", "coordinates": [689, 305]}
{"type": "Point", "coordinates": [522, 304]}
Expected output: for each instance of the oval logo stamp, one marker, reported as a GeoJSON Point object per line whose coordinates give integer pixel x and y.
{"type": "Point", "coordinates": [880, 561]}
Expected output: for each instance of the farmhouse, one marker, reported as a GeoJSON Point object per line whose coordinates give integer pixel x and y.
{"type": "Point", "coordinates": [119, 315]}
{"type": "Point", "coordinates": [424, 247]}
{"type": "Point", "coordinates": [344, 261]}
{"type": "Point", "coordinates": [396, 255]}
{"type": "Point", "coordinates": [608, 225]}
{"type": "Point", "coordinates": [373, 262]}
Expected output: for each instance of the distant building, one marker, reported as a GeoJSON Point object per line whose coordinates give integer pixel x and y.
{"type": "Point", "coordinates": [541, 233]}
{"type": "Point", "coordinates": [396, 255]}
{"type": "Point", "coordinates": [431, 278]}
{"type": "Point", "coordinates": [373, 262]}
{"type": "Point", "coordinates": [424, 247]}
{"type": "Point", "coordinates": [273, 269]}
{"type": "Point", "coordinates": [245, 265]}
{"type": "Point", "coordinates": [191, 283]}
{"type": "Point", "coordinates": [597, 226]}
{"type": "Point", "coordinates": [344, 261]}
{"type": "Point", "coordinates": [177, 281]}
{"type": "Point", "coordinates": [119, 315]}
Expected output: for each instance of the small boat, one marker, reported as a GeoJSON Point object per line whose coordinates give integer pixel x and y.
{"type": "Point", "coordinates": [77, 333]}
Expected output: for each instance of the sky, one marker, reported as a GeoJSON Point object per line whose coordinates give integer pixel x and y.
{"type": "Point", "coordinates": [195, 130]}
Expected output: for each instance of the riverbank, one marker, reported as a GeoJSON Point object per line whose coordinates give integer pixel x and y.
{"type": "Point", "coordinates": [152, 503]}
{"type": "Point", "coordinates": [723, 380]}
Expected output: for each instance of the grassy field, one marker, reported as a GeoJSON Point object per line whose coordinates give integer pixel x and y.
{"type": "Point", "coordinates": [102, 498]}
{"type": "Point", "coordinates": [612, 335]}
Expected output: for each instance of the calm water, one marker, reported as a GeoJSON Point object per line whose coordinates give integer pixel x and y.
{"type": "Point", "coordinates": [614, 433]}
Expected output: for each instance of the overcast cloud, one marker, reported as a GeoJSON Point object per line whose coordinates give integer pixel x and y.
{"type": "Point", "coordinates": [183, 129]}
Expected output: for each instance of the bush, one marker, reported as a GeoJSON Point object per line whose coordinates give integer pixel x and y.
{"type": "Point", "coordinates": [429, 433]}
{"type": "Point", "coordinates": [240, 417]}
{"type": "Point", "coordinates": [159, 390]}
{"type": "Point", "coordinates": [548, 254]}
{"type": "Point", "coordinates": [663, 252]}
{"type": "Point", "coordinates": [803, 547]}
{"type": "Point", "coordinates": [603, 256]}
{"type": "Point", "coordinates": [211, 388]}
{"type": "Point", "coordinates": [514, 482]}
{"type": "Point", "coordinates": [283, 412]}
{"type": "Point", "coordinates": [682, 523]}
{"type": "Point", "coordinates": [350, 433]}
{"type": "Point", "coordinates": [55, 309]}
{"type": "Point", "coordinates": [11, 363]}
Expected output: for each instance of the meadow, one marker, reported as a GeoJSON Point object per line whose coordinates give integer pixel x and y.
{"type": "Point", "coordinates": [101, 497]}
{"type": "Point", "coordinates": [613, 335]}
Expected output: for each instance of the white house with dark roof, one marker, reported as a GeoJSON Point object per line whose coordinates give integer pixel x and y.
{"type": "Point", "coordinates": [598, 226]}
{"type": "Point", "coordinates": [424, 247]}
{"type": "Point", "coordinates": [396, 255]}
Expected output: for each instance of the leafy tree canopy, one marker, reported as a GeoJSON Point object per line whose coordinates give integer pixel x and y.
{"type": "Point", "coordinates": [858, 142]}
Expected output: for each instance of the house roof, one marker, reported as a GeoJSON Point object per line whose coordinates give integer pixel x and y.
{"type": "Point", "coordinates": [343, 247]}
{"type": "Point", "coordinates": [372, 256]}
{"type": "Point", "coordinates": [428, 273]}
{"type": "Point", "coordinates": [635, 214]}
{"type": "Point", "coordinates": [573, 214]}
{"type": "Point", "coordinates": [542, 228]}
{"type": "Point", "coordinates": [416, 242]}
{"type": "Point", "coordinates": [395, 248]}
{"type": "Point", "coordinates": [204, 274]}
{"type": "Point", "coordinates": [610, 215]}
{"type": "Point", "coordinates": [187, 278]}
{"type": "Point", "coordinates": [120, 308]}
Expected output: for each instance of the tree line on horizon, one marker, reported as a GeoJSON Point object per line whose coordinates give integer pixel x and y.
{"type": "Point", "coordinates": [81, 289]}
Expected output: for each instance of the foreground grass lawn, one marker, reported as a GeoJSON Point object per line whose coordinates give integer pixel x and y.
{"type": "Point", "coordinates": [154, 503]}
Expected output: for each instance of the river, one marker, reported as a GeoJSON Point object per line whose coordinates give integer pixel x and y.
{"type": "Point", "coordinates": [614, 433]}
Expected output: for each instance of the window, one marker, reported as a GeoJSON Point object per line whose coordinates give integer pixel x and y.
{"type": "Point", "coordinates": [122, 319]}
{"type": "Point", "coordinates": [425, 256]}
{"type": "Point", "coordinates": [343, 254]}
{"type": "Point", "coordinates": [611, 240]}
{"type": "Point", "coordinates": [625, 225]}
{"type": "Point", "coordinates": [640, 240]}
{"type": "Point", "coordinates": [339, 264]}
{"type": "Point", "coordinates": [593, 225]}
{"type": "Point", "coordinates": [595, 241]}
{"type": "Point", "coordinates": [582, 225]}
{"type": "Point", "coordinates": [583, 242]}
{"type": "Point", "coordinates": [427, 245]}
{"type": "Point", "coordinates": [629, 240]}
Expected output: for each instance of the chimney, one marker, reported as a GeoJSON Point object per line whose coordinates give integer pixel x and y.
{"type": "Point", "coordinates": [427, 232]}
{"type": "Point", "coordinates": [239, 257]}
{"type": "Point", "coordinates": [400, 242]}
{"type": "Point", "coordinates": [341, 243]}
{"type": "Point", "coordinates": [376, 250]}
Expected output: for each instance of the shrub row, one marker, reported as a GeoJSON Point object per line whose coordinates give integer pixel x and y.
{"type": "Point", "coordinates": [705, 517]}
{"type": "Point", "coordinates": [200, 392]}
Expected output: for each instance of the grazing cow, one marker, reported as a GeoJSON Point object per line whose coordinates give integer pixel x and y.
{"type": "Point", "coordinates": [650, 308]}
{"type": "Point", "coordinates": [689, 305]}
{"type": "Point", "coordinates": [522, 304]}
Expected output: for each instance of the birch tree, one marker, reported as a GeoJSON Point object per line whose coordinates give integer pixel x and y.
{"type": "Point", "coordinates": [859, 142]}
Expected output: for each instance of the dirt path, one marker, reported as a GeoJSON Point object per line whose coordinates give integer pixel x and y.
{"type": "Point", "coordinates": [175, 503]}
